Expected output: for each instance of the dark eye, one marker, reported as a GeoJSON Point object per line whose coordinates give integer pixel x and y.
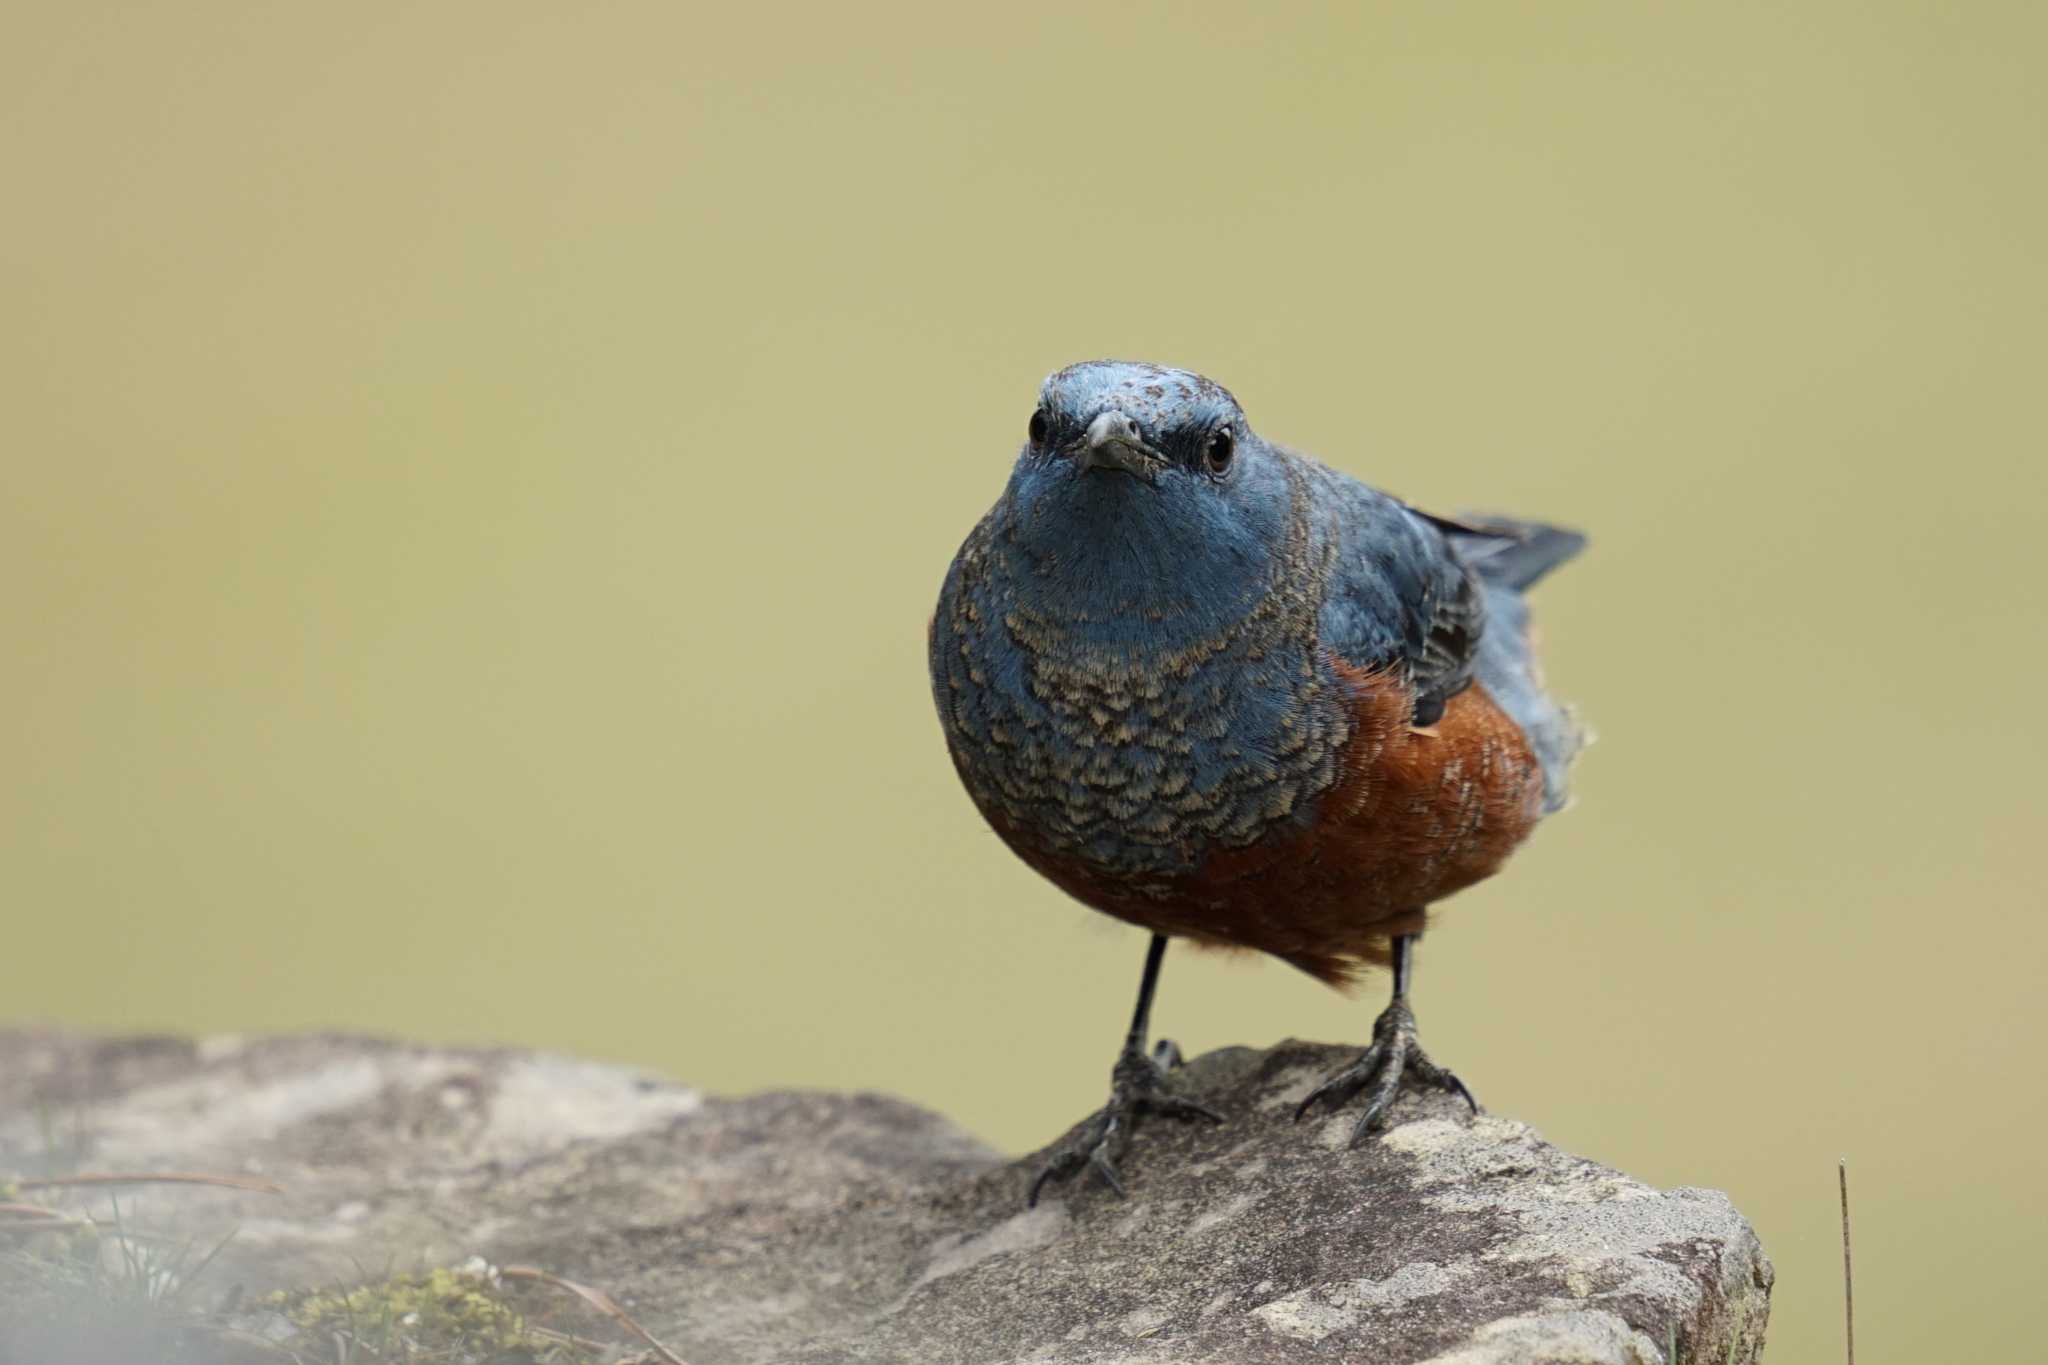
{"type": "Point", "coordinates": [1038, 427]}
{"type": "Point", "coordinates": [1222, 445]}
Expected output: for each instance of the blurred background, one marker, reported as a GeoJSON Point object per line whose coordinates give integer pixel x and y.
{"type": "Point", "coordinates": [475, 478]}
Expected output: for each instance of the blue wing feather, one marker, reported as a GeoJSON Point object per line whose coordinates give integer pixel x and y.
{"type": "Point", "coordinates": [1442, 599]}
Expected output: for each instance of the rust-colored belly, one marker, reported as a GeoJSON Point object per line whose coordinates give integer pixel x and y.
{"type": "Point", "coordinates": [1415, 816]}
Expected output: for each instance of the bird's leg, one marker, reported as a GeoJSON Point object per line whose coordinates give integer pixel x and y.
{"type": "Point", "coordinates": [1136, 1086]}
{"type": "Point", "coordinates": [1394, 1054]}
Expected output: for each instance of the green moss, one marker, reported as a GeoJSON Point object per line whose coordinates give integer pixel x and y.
{"type": "Point", "coordinates": [439, 1314]}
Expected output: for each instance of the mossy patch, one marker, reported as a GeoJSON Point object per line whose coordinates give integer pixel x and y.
{"type": "Point", "coordinates": [434, 1315]}
{"type": "Point", "coordinates": [61, 1302]}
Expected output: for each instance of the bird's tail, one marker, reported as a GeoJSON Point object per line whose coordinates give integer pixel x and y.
{"type": "Point", "coordinates": [1511, 553]}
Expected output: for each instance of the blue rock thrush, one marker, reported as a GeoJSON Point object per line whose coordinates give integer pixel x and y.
{"type": "Point", "coordinates": [1212, 687]}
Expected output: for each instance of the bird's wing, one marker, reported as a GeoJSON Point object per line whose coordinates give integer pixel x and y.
{"type": "Point", "coordinates": [1452, 617]}
{"type": "Point", "coordinates": [1508, 556]}
{"type": "Point", "coordinates": [1400, 596]}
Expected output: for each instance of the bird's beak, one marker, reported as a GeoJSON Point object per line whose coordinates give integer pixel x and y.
{"type": "Point", "coordinates": [1112, 442]}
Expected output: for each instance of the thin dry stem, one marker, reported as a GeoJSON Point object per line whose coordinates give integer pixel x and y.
{"type": "Point", "coordinates": [226, 1182]}
{"type": "Point", "coordinates": [566, 1338]}
{"type": "Point", "coordinates": [1848, 1273]}
{"type": "Point", "coordinates": [598, 1299]}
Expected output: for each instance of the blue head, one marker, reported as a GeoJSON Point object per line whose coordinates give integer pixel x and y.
{"type": "Point", "coordinates": [1143, 495]}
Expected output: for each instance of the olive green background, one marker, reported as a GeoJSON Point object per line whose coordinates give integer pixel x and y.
{"type": "Point", "coordinates": [475, 477]}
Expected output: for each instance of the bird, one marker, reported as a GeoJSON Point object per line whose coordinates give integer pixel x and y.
{"type": "Point", "coordinates": [1210, 686]}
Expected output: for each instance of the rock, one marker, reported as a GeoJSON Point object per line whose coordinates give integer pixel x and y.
{"type": "Point", "coordinates": [797, 1227]}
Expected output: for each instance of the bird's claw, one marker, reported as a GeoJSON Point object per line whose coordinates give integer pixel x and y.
{"type": "Point", "coordinates": [1394, 1055]}
{"type": "Point", "coordinates": [1137, 1086]}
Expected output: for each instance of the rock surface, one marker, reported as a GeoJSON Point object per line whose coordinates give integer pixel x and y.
{"type": "Point", "coordinates": [819, 1228]}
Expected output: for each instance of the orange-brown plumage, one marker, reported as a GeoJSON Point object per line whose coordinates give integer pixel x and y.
{"type": "Point", "coordinates": [1416, 815]}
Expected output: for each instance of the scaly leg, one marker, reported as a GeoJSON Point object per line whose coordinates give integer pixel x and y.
{"type": "Point", "coordinates": [1136, 1086]}
{"type": "Point", "coordinates": [1394, 1054]}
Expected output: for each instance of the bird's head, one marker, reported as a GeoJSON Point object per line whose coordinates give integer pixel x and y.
{"type": "Point", "coordinates": [1142, 488]}
{"type": "Point", "coordinates": [1158, 426]}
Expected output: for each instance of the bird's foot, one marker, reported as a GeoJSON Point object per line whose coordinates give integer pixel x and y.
{"type": "Point", "coordinates": [1137, 1086]}
{"type": "Point", "coordinates": [1394, 1055]}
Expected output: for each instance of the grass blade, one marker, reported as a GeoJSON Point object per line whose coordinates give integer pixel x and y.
{"type": "Point", "coordinates": [1848, 1273]}
{"type": "Point", "coordinates": [598, 1299]}
{"type": "Point", "coordinates": [226, 1182]}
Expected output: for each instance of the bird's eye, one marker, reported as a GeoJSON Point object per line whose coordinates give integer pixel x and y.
{"type": "Point", "coordinates": [1222, 445]}
{"type": "Point", "coordinates": [1039, 426]}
